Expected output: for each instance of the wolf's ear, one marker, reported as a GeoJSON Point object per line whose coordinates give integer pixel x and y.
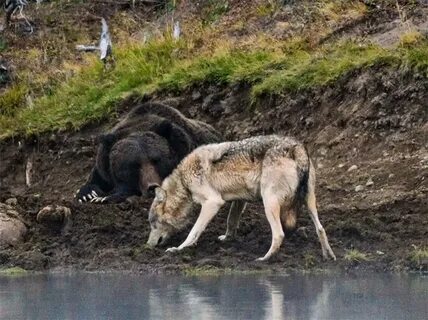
{"type": "Point", "coordinates": [160, 194]}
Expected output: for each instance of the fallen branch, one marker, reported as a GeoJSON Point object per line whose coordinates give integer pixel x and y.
{"type": "Point", "coordinates": [105, 45]}
{"type": "Point", "coordinates": [12, 7]}
{"type": "Point", "coordinates": [81, 47]}
{"type": "Point", "coordinates": [29, 172]}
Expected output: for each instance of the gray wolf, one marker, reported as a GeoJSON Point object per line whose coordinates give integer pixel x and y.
{"type": "Point", "coordinates": [273, 168]}
{"type": "Point", "coordinates": [142, 149]}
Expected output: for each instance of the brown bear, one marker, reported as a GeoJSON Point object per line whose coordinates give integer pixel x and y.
{"type": "Point", "coordinates": [141, 150]}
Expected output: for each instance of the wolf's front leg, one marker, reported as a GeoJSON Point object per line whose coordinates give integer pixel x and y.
{"type": "Point", "coordinates": [208, 211]}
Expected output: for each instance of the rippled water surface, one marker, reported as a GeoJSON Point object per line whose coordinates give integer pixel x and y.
{"type": "Point", "coordinates": [123, 296]}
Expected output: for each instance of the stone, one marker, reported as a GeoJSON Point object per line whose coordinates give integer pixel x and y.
{"type": "Point", "coordinates": [369, 182]}
{"type": "Point", "coordinates": [359, 188]}
{"type": "Point", "coordinates": [352, 168]}
{"type": "Point", "coordinates": [208, 100]}
{"type": "Point", "coordinates": [54, 216]}
{"type": "Point", "coordinates": [196, 95]}
{"type": "Point", "coordinates": [12, 229]}
{"type": "Point", "coordinates": [12, 202]}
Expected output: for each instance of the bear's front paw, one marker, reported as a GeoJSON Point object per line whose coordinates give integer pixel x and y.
{"type": "Point", "coordinates": [88, 193]}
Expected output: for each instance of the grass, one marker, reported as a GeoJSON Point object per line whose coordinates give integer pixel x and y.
{"type": "Point", "coordinates": [13, 272]}
{"type": "Point", "coordinates": [12, 100]}
{"type": "Point", "coordinates": [355, 255]}
{"type": "Point", "coordinates": [213, 10]}
{"type": "Point", "coordinates": [304, 71]}
{"type": "Point", "coordinates": [215, 271]}
{"type": "Point", "coordinates": [164, 65]}
{"type": "Point", "coordinates": [419, 255]}
{"type": "Point", "coordinates": [409, 39]}
{"type": "Point", "coordinates": [221, 69]}
{"type": "Point", "coordinates": [91, 94]}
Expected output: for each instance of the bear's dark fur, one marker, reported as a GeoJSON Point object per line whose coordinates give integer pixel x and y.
{"type": "Point", "coordinates": [142, 149]}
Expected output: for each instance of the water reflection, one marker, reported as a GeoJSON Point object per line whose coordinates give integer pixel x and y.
{"type": "Point", "coordinates": [119, 296]}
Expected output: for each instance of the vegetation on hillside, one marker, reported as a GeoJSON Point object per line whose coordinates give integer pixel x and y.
{"type": "Point", "coordinates": [268, 64]}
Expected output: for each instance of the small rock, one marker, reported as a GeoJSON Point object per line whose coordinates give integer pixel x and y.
{"type": "Point", "coordinates": [352, 168]}
{"type": "Point", "coordinates": [86, 151]}
{"type": "Point", "coordinates": [12, 202]}
{"type": "Point", "coordinates": [54, 216]}
{"type": "Point", "coordinates": [320, 165]}
{"type": "Point", "coordinates": [359, 188]}
{"type": "Point", "coordinates": [369, 182]}
{"type": "Point", "coordinates": [12, 229]}
{"type": "Point", "coordinates": [380, 252]}
{"type": "Point", "coordinates": [341, 165]}
{"type": "Point", "coordinates": [391, 175]}
{"type": "Point", "coordinates": [196, 95]}
{"type": "Point", "coordinates": [208, 100]}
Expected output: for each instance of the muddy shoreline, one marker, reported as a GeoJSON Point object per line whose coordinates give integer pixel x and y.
{"type": "Point", "coordinates": [373, 121]}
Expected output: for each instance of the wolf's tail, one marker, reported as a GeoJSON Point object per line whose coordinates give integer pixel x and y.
{"type": "Point", "coordinates": [301, 157]}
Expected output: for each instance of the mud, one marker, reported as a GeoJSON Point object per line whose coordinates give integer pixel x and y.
{"type": "Point", "coordinates": [374, 119]}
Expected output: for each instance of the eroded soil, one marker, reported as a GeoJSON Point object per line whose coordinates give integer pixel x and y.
{"type": "Point", "coordinates": [373, 119]}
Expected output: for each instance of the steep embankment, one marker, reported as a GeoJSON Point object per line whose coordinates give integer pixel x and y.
{"type": "Point", "coordinates": [374, 119]}
{"type": "Point", "coordinates": [361, 108]}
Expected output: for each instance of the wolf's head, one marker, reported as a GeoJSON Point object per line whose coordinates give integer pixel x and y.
{"type": "Point", "coordinates": [169, 213]}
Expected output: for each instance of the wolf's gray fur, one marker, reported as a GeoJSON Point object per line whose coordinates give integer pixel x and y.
{"type": "Point", "coordinates": [273, 168]}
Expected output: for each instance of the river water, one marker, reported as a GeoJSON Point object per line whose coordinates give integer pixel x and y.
{"type": "Point", "coordinates": [125, 296]}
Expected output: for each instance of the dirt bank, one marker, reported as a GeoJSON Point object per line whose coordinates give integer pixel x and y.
{"type": "Point", "coordinates": [374, 119]}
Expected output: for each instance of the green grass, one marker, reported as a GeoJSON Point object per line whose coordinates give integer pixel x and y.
{"type": "Point", "coordinates": [91, 94]}
{"type": "Point", "coordinates": [419, 255]}
{"type": "Point", "coordinates": [321, 68]}
{"type": "Point", "coordinates": [164, 65]}
{"type": "Point", "coordinates": [13, 272]}
{"type": "Point", "coordinates": [213, 10]}
{"type": "Point", "coordinates": [355, 255]}
{"type": "Point", "coordinates": [12, 100]}
{"type": "Point", "coordinates": [215, 271]}
{"type": "Point", "coordinates": [224, 68]}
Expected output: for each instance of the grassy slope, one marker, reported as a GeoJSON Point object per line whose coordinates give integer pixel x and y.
{"type": "Point", "coordinates": [91, 95]}
{"type": "Point", "coordinates": [271, 67]}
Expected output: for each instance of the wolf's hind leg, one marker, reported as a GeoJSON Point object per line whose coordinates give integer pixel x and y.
{"type": "Point", "coordinates": [208, 211]}
{"type": "Point", "coordinates": [288, 219]}
{"type": "Point", "coordinates": [236, 209]}
{"type": "Point", "coordinates": [322, 236]}
{"type": "Point", "coordinates": [273, 214]}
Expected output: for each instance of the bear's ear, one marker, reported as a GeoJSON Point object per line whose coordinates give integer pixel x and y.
{"type": "Point", "coordinates": [163, 129]}
{"type": "Point", "coordinates": [106, 139]}
{"type": "Point", "coordinates": [151, 189]}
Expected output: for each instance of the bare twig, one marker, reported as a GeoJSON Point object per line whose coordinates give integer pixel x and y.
{"type": "Point", "coordinates": [105, 41]}
{"type": "Point", "coordinates": [176, 31]}
{"type": "Point", "coordinates": [105, 45]}
{"type": "Point", "coordinates": [29, 172]}
{"type": "Point", "coordinates": [81, 47]}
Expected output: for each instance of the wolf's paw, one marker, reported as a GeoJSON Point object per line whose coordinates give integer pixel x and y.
{"type": "Point", "coordinates": [173, 249]}
{"type": "Point", "coordinates": [330, 254]}
{"type": "Point", "coordinates": [265, 258]}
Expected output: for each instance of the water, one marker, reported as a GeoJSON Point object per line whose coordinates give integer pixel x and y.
{"type": "Point", "coordinates": [122, 296]}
